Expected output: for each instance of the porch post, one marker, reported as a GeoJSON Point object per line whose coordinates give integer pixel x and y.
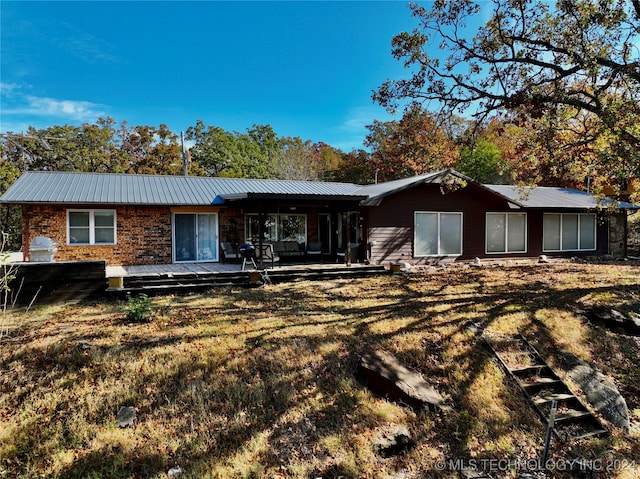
{"type": "Point", "coordinates": [347, 252]}
{"type": "Point", "coordinates": [260, 233]}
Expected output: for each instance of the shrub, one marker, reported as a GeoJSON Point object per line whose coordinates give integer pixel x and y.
{"type": "Point", "coordinates": [139, 308]}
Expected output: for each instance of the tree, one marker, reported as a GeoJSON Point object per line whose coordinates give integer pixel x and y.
{"type": "Point", "coordinates": [238, 155]}
{"type": "Point", "coordinates": [10, 219]}
{"type": "Point", "coordinates": [296, 160]}
{"type": "Point", "coordinates": [578, 58]}
{"type": "Point", "coordinates": [412, 146]}
{"type": "Point", "coordinates": [214, 148]}
{"type": "Point", "coordinates": [482, 161]}
{"type": "Point", "coordinates": [355, 167]}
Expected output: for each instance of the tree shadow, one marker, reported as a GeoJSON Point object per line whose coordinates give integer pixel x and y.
{"type": "Point", "coordinates": [246, 398]}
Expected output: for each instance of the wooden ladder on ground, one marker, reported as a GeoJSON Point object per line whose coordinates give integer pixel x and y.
{"type": "Point", "coordinates": [541, 386]}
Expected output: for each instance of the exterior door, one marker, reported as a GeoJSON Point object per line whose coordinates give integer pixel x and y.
{"type": "Point", "coordinates": [195, 237]}
{"type": "Point", "coordinates": [324, 232]}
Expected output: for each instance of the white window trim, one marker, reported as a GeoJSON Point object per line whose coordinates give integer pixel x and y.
{"type": "Point", "coordinates": [580, 215]}
{"type": "Point", "coordinates": [506, 233]}
{"type": "Point", "coordinates": [439, 213]}
{"type": "Point", "coordinates": [92, 227]}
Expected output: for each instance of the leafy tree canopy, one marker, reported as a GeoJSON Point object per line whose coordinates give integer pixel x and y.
{"type": "Point", "coordinates": [414, 145]}
{"type": "Point", "coordinates": [578, 59]}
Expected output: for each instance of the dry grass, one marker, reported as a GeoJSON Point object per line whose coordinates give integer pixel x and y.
{"type": "Point", "coordinates": [261, 383]}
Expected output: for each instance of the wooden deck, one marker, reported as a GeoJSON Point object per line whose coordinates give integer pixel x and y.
{"type": "Point", "coordinates": [212, 268]}
{"type": "Point", "coordinates": [198, 276]}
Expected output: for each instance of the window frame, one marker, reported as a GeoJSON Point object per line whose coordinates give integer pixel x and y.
{"type": "Point", "coordinates": [506, 232]}
{"type": "Point", "coordinates": [92, 226]}
{"type": "Point", "coordinates": [275, 226]}
{"type": "Point", "coordinates": [579, 232]}
{"type": "Point", "coordinates": [439, 253]}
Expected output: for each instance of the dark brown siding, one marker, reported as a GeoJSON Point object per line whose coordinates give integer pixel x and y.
{"type": "Point", "coordinates": [390, 226]}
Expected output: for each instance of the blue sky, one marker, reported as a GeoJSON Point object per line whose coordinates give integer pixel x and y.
{"type": "Point", "coordinates": [306, 68]}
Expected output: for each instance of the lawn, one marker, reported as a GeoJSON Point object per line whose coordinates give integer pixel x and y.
{"type": "Point", "coordinates": [262, 382]}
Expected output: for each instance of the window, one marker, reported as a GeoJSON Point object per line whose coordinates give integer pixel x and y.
{"type": "Point", "coordinates": [438, 234]}
{"type": "Point", "coordinates": [195, 236]}
{"type": "Point", "coordinates": [91, 227]}
{"type": "Point", "coordinates": [569, 232]}
{"type": "Point", "coordinates": [277, 227]}
{"type": "Point", "coordinates": [506, 233]}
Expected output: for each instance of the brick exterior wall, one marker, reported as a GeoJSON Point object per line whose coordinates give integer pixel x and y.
{"type": "Point", "coordinates": [143, 234]}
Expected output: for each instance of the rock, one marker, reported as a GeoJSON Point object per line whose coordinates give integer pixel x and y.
{"type": "Point", "coordinates": [174, 471]}
{"type": "Point", "coordinates": [543, 259]}
{"type": "Point", "coordinates": [384, 375]}
{"type": "Point", "coordinates": [477, 263]}
{"type": "Point", "coordinates": [393, 441]}
{"type": "Point", "coordinates": [405, 266]}
{"type": "Point", "coordinates": [600, 392]}
{"type": "Point", "coordinates": [126, 416]}
{"type": "Point", "coordinates": [613, 319]}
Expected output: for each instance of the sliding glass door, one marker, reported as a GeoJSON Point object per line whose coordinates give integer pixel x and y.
{"type": "Point", "coordinates": [195, 237]}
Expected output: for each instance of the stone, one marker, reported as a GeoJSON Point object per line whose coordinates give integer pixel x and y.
{"type": "Point", "coordinates": [543, 259]}
{"type": "Point", "coordinates": [386, 376]}
{"type": "Point", "coordinates": [599, 391]}
{"type": "Point", "coordinates": [392, 442]}
{"type": "Point", "coordinates": [406, 266]}
{"type": "Point", "coordinates": [126, 416]}
{"type": "Point", "coordinates": [614, 319]}
{"type": "Point", "coordinates": [477, 263]}
{"type": "Point", "coordinates": [174, 471]}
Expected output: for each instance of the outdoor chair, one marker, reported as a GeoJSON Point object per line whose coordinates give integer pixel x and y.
{"type": "Point", "coordinates": [229, 252]}
{"type": "Point", "coordinates": [267, 253]}
{"type": "Point", "coordinates": [342, 255]}
{"type": "Point", "coordinates": [314, 250]}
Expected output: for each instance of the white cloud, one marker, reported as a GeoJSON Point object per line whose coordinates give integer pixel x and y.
{"type": "Point", "coordinates": [7, 89]}
{"type": "Point", "coordinates": [72, 109]}
{"type": "Point", "coordinates": [354, 125]}
{"type": "Point", "coordinates": [19, 109]}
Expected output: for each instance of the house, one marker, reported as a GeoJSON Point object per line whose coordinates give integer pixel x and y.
{"type": "Point", "coordinates": [147, 219]}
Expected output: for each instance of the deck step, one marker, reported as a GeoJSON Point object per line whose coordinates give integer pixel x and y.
{"type": "Point", "coordinates": [570, 424]}
{"type": "Point", "coordinates": [572, 415]}
{"type": "Point", "coordinates": [529, 369]}
{"type": "Point", "coordinates": [540, 383]}
{"type": "Point", "coordinates": [158, 283]}
{"type": "Point", "coordinates": [554, 397]}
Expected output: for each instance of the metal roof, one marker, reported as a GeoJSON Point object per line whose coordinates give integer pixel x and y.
{"type": "Point", "coordinates": [554, 197]}
{"type": "Point", "coordinates": [105, 188]}
{"type": "Point", "coordinates": [375, 193]}
{"type": "Point", "coordinates": [109, 188]}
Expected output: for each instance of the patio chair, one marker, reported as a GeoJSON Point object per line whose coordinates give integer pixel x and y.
{"type": "Point", "coordinates": [314, 250]}
{"type": "Point", "coordinates": [229, 252]}
{"type": "Point", "coordinates": [342, 254]}
{"type": "Point", "coordinates": [267, 253]}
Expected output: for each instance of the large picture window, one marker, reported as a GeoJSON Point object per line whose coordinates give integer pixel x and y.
{"type": "Point", "coordinates": [91, 227]}
{"type": "Point", "coordinates": [569, 232]}
{"type": "Point", "coordinates": [277, 227]}
{"type": "Point", "coordinates": [438, 234]}
{"type": "Point", "coordinates": [506, 233]}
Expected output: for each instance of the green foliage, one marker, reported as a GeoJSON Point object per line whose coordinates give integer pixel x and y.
{"type": "Point", "coordinates": [481, 161]}
{"type": "Point", "coordinates": [139, 308]}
